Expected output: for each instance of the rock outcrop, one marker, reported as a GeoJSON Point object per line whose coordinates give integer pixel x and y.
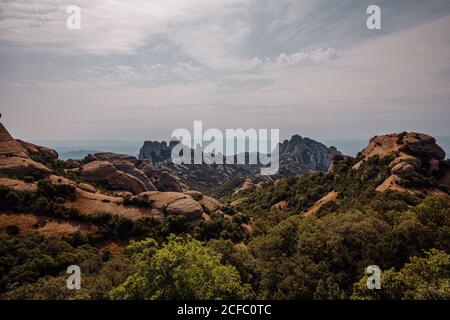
{"type": "Point", "coordinates": [168, 182]}
{"type": "Point", "coordinates": [417, 160]}
{"type": "Point", "coordinates": [106, 172]}
{"type": "Point", "coordinates": [297, 156]}
{"type": "Point", "coordinates": [307, 152]}
{"type": "Point", "coordinates": [39, 153]}
{"type": "Point", "coordinates": [18, 157]}
{"type": "Point", "coordinates": [124, 172]}
{"type": "Point", "coordinates": [156, 151]}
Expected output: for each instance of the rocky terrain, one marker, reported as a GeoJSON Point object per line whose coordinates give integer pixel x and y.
{"type": "Point", "coordinates": [410, 163]}
{"type": "Point", "coordinates": [297, 156]}
{"type": "Point", "coordinates": [123, 219]}
{"type": "Point", "coordinates": [111, 183]}
{"type": "Point", "coordinates": [418, 164]}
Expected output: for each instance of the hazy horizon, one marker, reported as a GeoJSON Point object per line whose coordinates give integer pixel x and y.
{"type": "Point", "coordinates": [67, 148]}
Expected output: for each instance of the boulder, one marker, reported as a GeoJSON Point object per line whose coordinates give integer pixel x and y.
{"type": "Point", "coordinates": [130, 169]}
{"type": "Point", "coordinates": [87, 187]}
{"type": "Point", "coordinates": [419, 143]}
{"type": "Point", "coordinates": [23, 166]}
{"type": "Point", "coordinates": [411, 143]}
{"type": "Point", "coordinates": [175, 203]}
{"type": "Point", "coordinates": [168, 182]}
{"type": "Point", "coordinates": [39, 152]}
{"type": "Point", "coordinates": [9, 147]}
{"type": "Point", "coordinates": [187, 207]}
{"type": "Point", "coordinates": [196, 195]}
{"type": "Point", "coordinates": [98, 171]}
{"type": "Point", "coordinates": [414, 161]}
{"type": "Point", "coordinates": [391, 183]}
{"type": "Point", "coordinates": [403, 168]}
{"type": "Point", "coordinates": [413, 153]}
{"type": "Point", "coordinates": [210, 204]}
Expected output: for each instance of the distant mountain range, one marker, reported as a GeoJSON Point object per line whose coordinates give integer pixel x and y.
{"type": "Point", "coordinates": [297, 156]}
{"type": "Point", "coordinates": [78, 149]}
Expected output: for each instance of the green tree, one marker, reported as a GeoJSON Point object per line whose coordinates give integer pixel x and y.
{"type": "Point", "coordinates": [423, 278]}
{"type": "Point", "coordinates": [180, 269]}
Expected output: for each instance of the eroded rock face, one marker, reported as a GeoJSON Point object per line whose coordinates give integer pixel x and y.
{"type": "Point", "coordinates": [210, 204]}
{"type": "Point", "coordinates": [313, 154]}
{"type": "Point", "coordinates": [297, 156]}
{"type": "Point", "coordinates": [188, 207]}
{"type": "Point", "coordinates": [104, 171]}
{"type": "Point", "coordinates": [15, 157]}
{"type": "Point", "coordinates": [406, 158]}
{"type": "Point", "coordinates": [168, 182]}
{"type": "Point", "coordinates": [130, 169]}
{"type": "Point", "coordinates": [411, 144]}
{"type": "Point", "coordinates": [191, 204]}
{"type": "Point", "coordinates": [403, 168]}
{"type": "Point", "coordinates": [43, 153]}
{"type": "Point", "coordinates": [134, 175]}
{"type": "Point", "coordinates": [414, 155]}
{"type": "Point", "coordinates": [9, 147]}
{"type": "Point", "coordinates": [87, 187]}
{"type": "Point", "coordinates": [175, 203]}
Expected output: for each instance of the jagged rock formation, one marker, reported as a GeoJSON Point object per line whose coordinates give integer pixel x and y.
{"type": "Point", "coordinates": [103, 182]}
{"type": "Point", "coordinates": [418, 164]}
{"type": "Point", "coordinates": [156, 151]}
{"type": "Point", "coordinates": [126, 173]}
{"type": "Point", "coordinates": [19, 158]}
{"type": "Point", "coordinates": [297, 156]}
{"type": "Point", "coordinates": [306, 152]}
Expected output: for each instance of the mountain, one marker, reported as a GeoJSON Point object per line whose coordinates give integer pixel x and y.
{"type": "Point", "coordinates": [307, 236]}
{"type": "Point", "coordinates": [106, 183]}
{"type": "Point", "coordinates": [409, 163]}
{"type": "Point", "coordinates": [297, 156]}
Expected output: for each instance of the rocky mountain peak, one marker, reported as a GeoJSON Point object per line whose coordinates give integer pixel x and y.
{"type": "Point", "coordinates": [418, 164]}
{"type": "Point", "coordinates": [9, 146]}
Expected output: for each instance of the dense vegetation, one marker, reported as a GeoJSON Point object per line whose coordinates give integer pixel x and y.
{"type": "Point", "coordinates": [286, 255]}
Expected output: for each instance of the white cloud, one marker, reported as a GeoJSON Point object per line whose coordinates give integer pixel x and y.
{"type": "Point", "coordinates": [311, 56]}
{"type": "Point", "coordinates": [163, 53]}
{"type": "Point", "coordinates": [120, 26]}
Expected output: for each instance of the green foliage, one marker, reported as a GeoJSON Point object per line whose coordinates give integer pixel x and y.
{"type": "Point", "coordinates": [423, 278]}
{"type": "Point", "coordinates": [254, 251]}
{"type": "Point", "coordinates": [97, 280]}
{"type": "Point", "coordinates": [221, 227]}
{"type": "Point", "coordinates": [140, 202]}
{"type": "Point", "coordinates": [54, 191]}
{"type": "Point", "coordinates": [297, 258]}
{"type": "Point", "coordinates": [24, 258]}
{"type": "Point", "coordinates": [181, 269]}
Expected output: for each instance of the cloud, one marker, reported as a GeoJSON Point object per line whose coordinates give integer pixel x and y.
{"type": "Point", "coordinates": [115, 26]}
{"type": "Point", "coordinates": [311, 56]}
{"type": "Point", "coordinates": [273, 63]}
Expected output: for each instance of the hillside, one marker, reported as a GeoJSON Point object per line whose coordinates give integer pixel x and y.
{"type": "Point", "coordinates": [134, 226]}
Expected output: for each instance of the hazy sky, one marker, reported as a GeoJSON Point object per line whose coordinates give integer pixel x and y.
{"type": "Point", "coordinates": [138, 69]}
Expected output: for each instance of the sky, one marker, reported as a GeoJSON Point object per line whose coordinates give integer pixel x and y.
{"type": "Point", "coordinates": [139, 69]}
